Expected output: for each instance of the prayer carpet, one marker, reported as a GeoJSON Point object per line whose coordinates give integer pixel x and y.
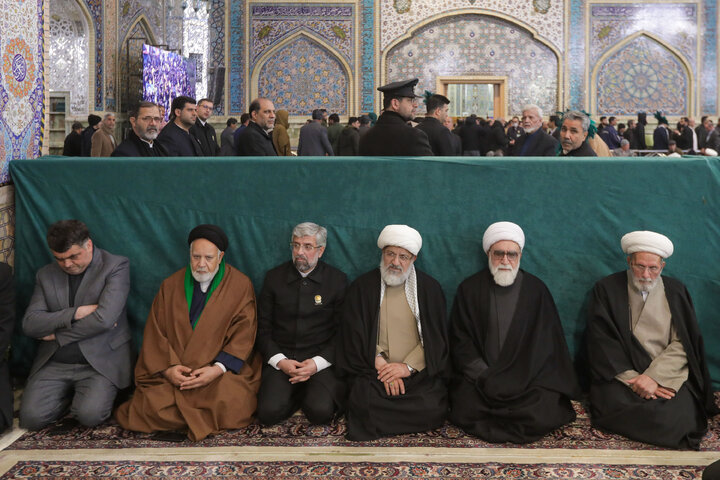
{"type": "Point", "coordinates": [297, 432]}
{"type": "Point", "coordinates": [249, 470]}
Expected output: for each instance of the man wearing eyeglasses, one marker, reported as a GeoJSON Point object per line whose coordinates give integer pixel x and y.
{"type": "Point", "coordinates": [392, 135]}
{"type": "Point", "coordinates": [514, 376]}
{"type": "Point", "coordinates": [393, 347]}
{"type": "Point", "coordinates": [298, 316]}
{"type": "Point", "coordinates": [145, 121]}
{"type": "Point", "coordinates": [650, 380]}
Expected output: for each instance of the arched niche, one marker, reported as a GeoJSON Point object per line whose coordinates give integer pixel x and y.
{"type": "Point", "coordinates": [130, 61]}
{"type": "Point", "coordinates": [69, 60]}
{"type": "Point", "coordinates": [642, 73]}
{"type": "Point", "coordinates": [303, 73]}
{"type": "Point", "coordinates": [469, 44]}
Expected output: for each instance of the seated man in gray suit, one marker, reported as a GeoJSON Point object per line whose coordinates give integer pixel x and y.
{"type": "Point", "coordinates": [77, 312]}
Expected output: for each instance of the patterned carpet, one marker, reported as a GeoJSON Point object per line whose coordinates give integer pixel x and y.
{"type": "Point", "coordinates": [296, 431]}
{"type": "Point", "coordinates": [339, 471]}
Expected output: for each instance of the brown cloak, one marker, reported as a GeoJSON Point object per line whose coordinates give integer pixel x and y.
{"type": "Point", "coordinates": [227, 323]}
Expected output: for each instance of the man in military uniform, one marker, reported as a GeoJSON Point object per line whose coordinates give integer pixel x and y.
{"type": "Point", "coordinates": [391, 135]}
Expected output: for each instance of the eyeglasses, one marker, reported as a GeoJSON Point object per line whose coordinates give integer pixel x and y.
{"type": "Point", "coordinates": [390, 255]}
{"type": "Point", "coordinates": [151, 119]}
{"type": "Point", "coordinates": [641, 268]}
{"type": "Point", "coordinates": [500, 254]}
{"type": "Point", "coordinates": [307, 247]}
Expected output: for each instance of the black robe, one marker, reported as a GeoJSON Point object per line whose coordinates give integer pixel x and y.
{"type": "Point", "coordinates": [680, 422]}
{"type": "Point", "coordinates": [133, 146]}
{"type": "Point", "coordinates": [526, 392]}
{"type": "Point", "coordinates": [371, 413]}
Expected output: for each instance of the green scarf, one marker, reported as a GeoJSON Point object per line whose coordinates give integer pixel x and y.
{"type": "Point", "coordinates": [190, 286]}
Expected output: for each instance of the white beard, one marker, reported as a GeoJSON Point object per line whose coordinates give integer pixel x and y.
{"type": "Point", "coordinates": [204, 277]}
{"type": "Point", "coordinates": [644, 286]}
{"type": "Point", "coordinates": [530, 130]}
{"type": "Point", "coordinates": [504, 275]}
{"type": "Point", "coordinates": [392, 277]}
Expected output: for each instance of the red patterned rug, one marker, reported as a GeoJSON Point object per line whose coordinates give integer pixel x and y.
{"type": "Point", "coordinates": [340, 471]}
{"type": "Point", "coordinates": [296, 431]}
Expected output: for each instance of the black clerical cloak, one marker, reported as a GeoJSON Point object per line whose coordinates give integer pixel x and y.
{"type": "Point", "coordinates": [525, 393]}
{"type": "Point", "coordinates": [371, 412]}
{"type": "Point", "coordinates": [678, 423]}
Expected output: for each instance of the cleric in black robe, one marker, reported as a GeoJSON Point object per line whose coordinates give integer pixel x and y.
{"type": "Point", "coordinates": [391, 391]}
{"type": "Point", "coordinates": [145, 122]}
{"type": "Point", "coordinates": [513, 374]}
{"type": "Point", "coordinates": [650, 379]}
{"type": "Point", "coordinates": [573, 135]}
{"type": "Point", "coordinates": [391, 134]}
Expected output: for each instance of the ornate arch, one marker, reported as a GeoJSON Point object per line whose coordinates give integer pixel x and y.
{"type": "Point", "coordinates": [140, 27]}
{"type": "Point", "coordinates": [636, 81]}
{"type": "Point", "coordinates": [314, 40]}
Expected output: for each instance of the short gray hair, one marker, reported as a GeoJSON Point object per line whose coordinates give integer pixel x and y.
{"type": "Point", "coordinates": [624, 142]}
{"type": "Point", "coordinates": [108, 115]}
{"type": "Point", "coordinates": [533, 107]}
{"type": "Point", "coordinates": [307, 229]}
{"type": "Point", "coordinates": [578, 115]}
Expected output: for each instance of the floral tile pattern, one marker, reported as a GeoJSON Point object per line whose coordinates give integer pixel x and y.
{"type": "Point", "coordinates": [642, 77]}
{"type": "Point", "coordinates": [482, 45]}
{"type": "Point", "coordinates": [303, 76]}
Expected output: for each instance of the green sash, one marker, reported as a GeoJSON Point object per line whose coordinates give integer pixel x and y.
{"type": "Point", "coordinates": [190, 285]}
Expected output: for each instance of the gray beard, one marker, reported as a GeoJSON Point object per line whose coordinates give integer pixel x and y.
{"type": "Point", "coordinates": [391, 277]}
{"type": "Point", "coordinates": [203, 277]}
{"type": "Point", "coordinates": [530, 130]}
{"type": "Point", "coordinates": [503, 277]}
{"type": "Point", "coordinates": [644, 286]}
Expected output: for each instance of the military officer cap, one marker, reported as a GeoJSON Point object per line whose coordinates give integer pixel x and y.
{"type": "Point", "coordinates": [402, 88]}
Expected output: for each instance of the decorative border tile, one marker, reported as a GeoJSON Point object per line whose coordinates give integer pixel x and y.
{"type": "Point", "coordinates": [237, 58]}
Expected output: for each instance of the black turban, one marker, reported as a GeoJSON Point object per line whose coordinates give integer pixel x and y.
{"type": "Point", "coordinates": [212, 233]}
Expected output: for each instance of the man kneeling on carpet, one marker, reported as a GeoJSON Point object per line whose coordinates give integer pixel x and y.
{"type": "Point", "coordinates": [197, 370]}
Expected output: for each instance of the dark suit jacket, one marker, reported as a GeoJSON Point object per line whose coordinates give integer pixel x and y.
{"type": "Point", "coordinates": [73, 145]}
{"type": "Point", "coordinates": [178, 142]}
{"type": "Point", "coordinates": [661, 137]}
{"type": "Point", "coordinates": [227, 142]}
{"type": "Point", "coordinates": [104, 335]}
{"type": "Point", "coordinates": [537, 144]}
{"type": "Point", "coordinates": [584, 150]}
{"type": "Point", "coordinates": [254, 142]}
{"type": "Point", "coordinates": [299, 317]}
{"type": "Point", "coordinates": [392, 136]}
{"type": "Point", "coordinates": [349, 142]}
{"type": "Point", "coordinates": [441, 141]}
{"type": "Point", "coordinates": [207, 137]}
{"type": "Point", "coordinates": [314, 141]}
{"type": "Point", "coordinates": [134, 147]}
{"type": "Point", "coordinates": [7, 320]}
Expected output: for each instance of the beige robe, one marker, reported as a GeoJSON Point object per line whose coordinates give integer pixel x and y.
{"type": "Point", "coordinates": [651, 325]}
{"type": "Point", "coordinates": [227, 323]}
{"type": "Point", "coordinates": [398, 336]}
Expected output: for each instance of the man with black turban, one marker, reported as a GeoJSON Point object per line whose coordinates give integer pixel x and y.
{"type": "Point", "coordinates": [197, 372]}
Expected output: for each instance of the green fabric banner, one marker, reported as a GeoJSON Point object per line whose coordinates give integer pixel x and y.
{"type": "Point", "coordinates": [573, 212]}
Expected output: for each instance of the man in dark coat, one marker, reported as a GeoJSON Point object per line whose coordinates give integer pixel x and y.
{"type": "Point", "coordinates": [93, 125]}
{"type": "Point", "coordinates": [514, 376]}
{"type": "Point", "coordinates": [471, 137]}
{"type": "Point", "coordinates": [175, 137]}
{"type": "Point", "coordinates": [456, 140]}
{"type": "Point", "coordinates": [203, 131]}
{"type": "Point", "coordinates": [573, 135]}
{"type": "Point", "coordinates": [72, 147]}
{"type": "Point", "coordinates": [313, 140]}
{"type": "Point", "coordinates": [441, 141]}
{"type": "Point", "coordinates": [7, 320]}
{"type": "Point", "coordinates": [349, 141]}
{"type": "Point", "coordinates": [391, 135]}
{"type": "Point", "coordinates": [650, 379]}
{"type": "Point", "coordinates": [535, 142]}
{"type": "Point", "coordinates": [393, 347]}
{"type": "Point", "coordinates": [145, 122]}
{"type": "Point", "coordinates": [255, 141]}
{"type": "Point", "coordinates": [298, 317]}
{"type": "Point", "coordinates": [661, 134]}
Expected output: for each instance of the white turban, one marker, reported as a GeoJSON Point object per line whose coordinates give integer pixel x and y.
{"type": "Point", "coordinates": [503, 231]}
{"type": "Point", "coordinates": [400, 236]}
{"type": "Point", "coordinates": [644, 241]}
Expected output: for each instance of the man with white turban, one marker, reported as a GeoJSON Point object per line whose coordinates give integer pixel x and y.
{"type": "Point", "coordinates": [650, 380]}
{"type": "Point", "coordinates": [393, 347]}
{"type": "Point", "coordinates": [513, 374]}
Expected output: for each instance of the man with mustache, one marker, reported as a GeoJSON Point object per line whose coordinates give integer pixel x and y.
{"type": "Point", "coordinates": [573, 135]}
{"type": "Point", "coordinates": [145, 121]}
{"type": "Point", "coordinates": [298, 317]}
{"type": "Point", "coordinates": [650, 380]}
{"type": "Point", "coordinates": [393, 348]}
{"type": "Point", "coordinates": [514, 376]}
{"type": "Point", "coordinates": [197, 373]}
{"type": "Point", "coordinates": [534, 142]}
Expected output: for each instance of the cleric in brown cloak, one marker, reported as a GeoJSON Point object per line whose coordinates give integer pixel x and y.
{"type": "Point", "coordinates": [197, 370]}
{"type": "Point", "coordinates": [650, 380]}
{"type": "Point", "coordinates": [514, 376]}
{"type": "Point", "coordinates": [393, 344]}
